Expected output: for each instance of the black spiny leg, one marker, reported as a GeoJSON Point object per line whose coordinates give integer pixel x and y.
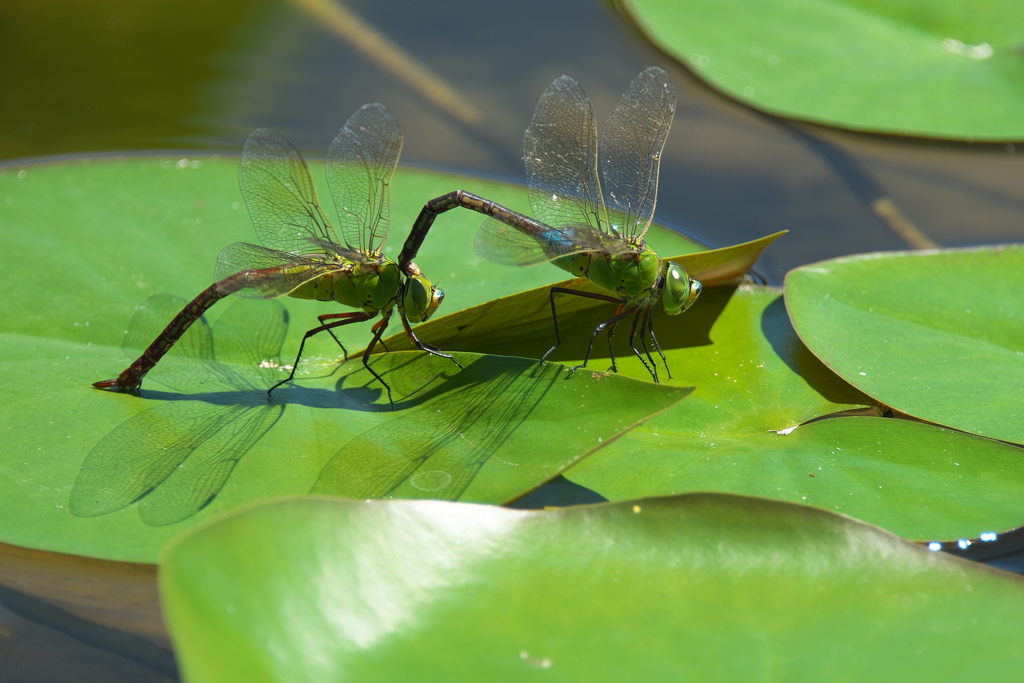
{"type": "Point", "coordinates": [654, 340]}
{"type": "Point", "coordinates": [642, 322]}
{"type": "Point", "coordinates": [348, 319]}
{"type": "Point", "coordinates": [378, 332]}
{"type": "Point", "coordinates": [554, 316]}
{"type": "Point", "coordinates": [335, 316]}
{"type": "Point", "coordinates": [424, 346]}
{"type": "Point", "coordinates": [610, 322]}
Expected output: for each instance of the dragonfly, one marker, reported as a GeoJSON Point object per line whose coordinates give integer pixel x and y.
{"type": "Point", "coordinates": [301, 254]}
{"type": "Point", "coordinates": [591, 226]}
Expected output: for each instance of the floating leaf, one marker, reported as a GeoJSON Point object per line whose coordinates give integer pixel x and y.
{"type": "Point", "coordinates": [754, 383]}
{"type": "Point", "coordinates": [949, 70]}
{"type": "Point", "coordinates": [125, 229]}
{"type": "Point", "coordinates": [701, 587]}
{"type": "Point", "coordinates": [935, 334]}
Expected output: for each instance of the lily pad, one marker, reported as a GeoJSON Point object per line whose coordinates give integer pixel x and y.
{"type": "Point", "coordinates": [656, 589]}
{"type": "Point", "coordinates": [936, 334]}
{"type": "Point", "coordinates": [946, 70]}
{"type": "Point", "coordinates": [739, 432]}
{"type": "Point", "coordinates": [126, 229]}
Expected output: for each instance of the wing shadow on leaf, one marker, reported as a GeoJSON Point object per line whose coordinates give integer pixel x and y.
{"type": "Point", "coordinates": [437, 449]}
{"type": "Point", "coordinates": [174, 459]}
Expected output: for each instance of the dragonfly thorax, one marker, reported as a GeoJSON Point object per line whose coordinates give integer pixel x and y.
{"type": "Point", "coordinates": [629, 274]}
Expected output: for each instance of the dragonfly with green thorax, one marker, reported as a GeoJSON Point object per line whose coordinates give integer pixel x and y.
{"type": "Point", "coordinates": [302, 256]}
{"type": "Point", "coordinates": [590, 226]}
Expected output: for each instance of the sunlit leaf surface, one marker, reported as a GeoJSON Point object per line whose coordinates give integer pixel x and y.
{"type": "Point", "coordinates": [754, 383]}
{"type": "Point", "coordinates": [697, 587]}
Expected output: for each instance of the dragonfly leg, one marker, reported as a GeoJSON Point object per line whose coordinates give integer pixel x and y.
{"type": "Point", "coordinates": [554, 315]}
{"type": "Point", "coordinates": [422, 345]}
{"type": "Point", "coordinates": [609, 323]}
{"type": "Point", "coordinates": [642, 320]}
{"type": "Point", "coordinates": [657, 346]}
{"type": "Point", "coordinates": [348, 319]}
{"type": "Point", "coordinates": [335, 316]}
{"type": "Point", "coordinates": [611, 340]}
{"type": "Point", "coordinates": [378, 332]}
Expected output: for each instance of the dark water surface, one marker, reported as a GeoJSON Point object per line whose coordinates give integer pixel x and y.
{"type": "Point", "coordinates": [109, 75]}
{"type": "Point", "coordinates": [119, 75]}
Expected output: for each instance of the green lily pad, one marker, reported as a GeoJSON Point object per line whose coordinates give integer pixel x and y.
{"type": "Point", "coordinates": [754, 383]}
{"type": "Point", "coordinates": [130, 228]}
{"type": "Point", "coordinates": [947, 70]}
{"type": "Point", "coordinates": [935, 334]}
{"type": "Point", "coordinates": [699, 587]}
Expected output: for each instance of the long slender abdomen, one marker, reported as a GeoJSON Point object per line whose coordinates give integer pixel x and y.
{"type": "Point", "coordinates": [131, 377]}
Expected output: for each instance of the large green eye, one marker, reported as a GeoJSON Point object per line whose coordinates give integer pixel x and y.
{"type": "Point", "coordinates": [680, 289]}
{"type": "Point", "coordinates": [421, 299]}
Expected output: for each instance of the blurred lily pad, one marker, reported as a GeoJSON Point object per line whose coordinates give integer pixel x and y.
{"type": "Point", "coordinates": [947, 69]}
{"type": "Point", "coordinates": [653, 589]}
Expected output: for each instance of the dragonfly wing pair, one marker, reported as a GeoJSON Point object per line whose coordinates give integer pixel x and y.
{"type": "Point", "coordinates": [301, 254]}
{"type": "Point", "coordinates": [594, 201]}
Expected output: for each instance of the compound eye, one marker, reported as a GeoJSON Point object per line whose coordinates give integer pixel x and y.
{"type": "Point", "coordinates": [421, 299]}
{"type": "Point", "coordinates": [680, 289]}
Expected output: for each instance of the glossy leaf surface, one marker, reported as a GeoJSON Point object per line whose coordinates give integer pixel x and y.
{"type": "Point", "coordinates": [702, 586]}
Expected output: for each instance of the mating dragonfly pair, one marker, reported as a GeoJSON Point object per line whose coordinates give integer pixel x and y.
{"type": "Point", "coordinates": [589, 226]}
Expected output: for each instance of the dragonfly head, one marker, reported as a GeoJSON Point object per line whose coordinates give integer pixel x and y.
{"type": "Point", "coordinates": [420, 298]}
{"type": "Point", "coordinates": [680, 290]}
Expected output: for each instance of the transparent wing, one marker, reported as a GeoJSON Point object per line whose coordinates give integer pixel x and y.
{"type": "Point", "coordinates": [176, 456]}
{"type": "Point", "coordinates": [560, 152]}
{"type": "Point", "coordinates": [631, 146]}
{"type": "Point", "coordinates": [360, 163]}
{"type": "Point", "coordinates": [280, 195]}
{"type": "Point", "coordinates": [504, 244]}
{"type": "Point", "coordinates": [270, 273]}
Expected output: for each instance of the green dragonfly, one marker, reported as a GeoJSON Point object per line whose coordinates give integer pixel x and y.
{"type": "Point", "coordinates": [589, 226]}
{"type": "Point", "coordinates": [302, 256]}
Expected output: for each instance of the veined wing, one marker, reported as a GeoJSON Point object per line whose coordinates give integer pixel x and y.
{"type": "Point", "coordinates": [175, 457]}
{"type": "Point", "coordinates": [360, 163]}
{"type": "Point", "coordinates": [506, 245]}
{"type": "Point", "coordinates": [560, 152]}
{"type": "Point", "coordinates": [271, 273]}
{"type": "Point", "coordinates": [213, 440]}
{"type": "Point", "coordinates": [631, 146]}
{"type": "Point", "coordinates": [280, 195]}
